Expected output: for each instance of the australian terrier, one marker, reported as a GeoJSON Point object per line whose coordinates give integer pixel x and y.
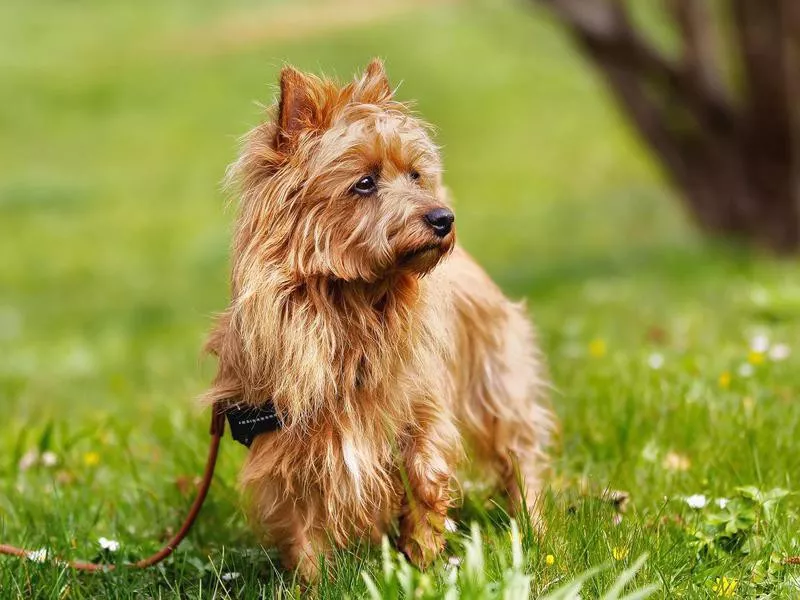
{"type": "Point", "coordinates": [387, 352]}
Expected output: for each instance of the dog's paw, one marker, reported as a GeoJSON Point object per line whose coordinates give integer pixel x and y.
{"type": "Point", "coordinates": [423, 541]}
{"type": "Point", "coordinates": [308, 571]}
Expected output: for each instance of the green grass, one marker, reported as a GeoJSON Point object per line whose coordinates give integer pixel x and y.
{"type": "Point", "coordinates": [117, 121]}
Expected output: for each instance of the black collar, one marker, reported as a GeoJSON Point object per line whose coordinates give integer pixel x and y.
{"type": "Point", "coordinates": [247, 421]}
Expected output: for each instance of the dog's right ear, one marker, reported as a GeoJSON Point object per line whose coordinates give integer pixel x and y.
{"type": "Point", "coordinates": [295, 108]}
{"type": "Point", "coordinates": [373, 87]}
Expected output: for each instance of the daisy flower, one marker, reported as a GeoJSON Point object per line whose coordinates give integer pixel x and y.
{"type": "Point", "coordinates": [779, 352]}
{"type": "Point", "coordinates": [655, 361]}
{"type": "Point", "coordinates": [109, 545]}
{"type": "Point", "coordinates": [759, 344]}
{"type": "Point", "coordinates": [37, 556]}
{"type": "Point", "coordinates": [696, 501]}
{"type": "Point", "coordinates": [28, 460]}
{"type": "Point", "coordinates": [49, 459]}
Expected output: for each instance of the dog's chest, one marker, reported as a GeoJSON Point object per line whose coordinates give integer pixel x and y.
{"type": "Point", "coordinates": [354, 454]}
{"type": "Point", "coordinates": [350, 474]}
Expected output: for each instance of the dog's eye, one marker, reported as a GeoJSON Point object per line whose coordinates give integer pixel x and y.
{"type": "Point", "coordinates": [365, 186]}
{"type": "Point", "coordinates": [414, 175]}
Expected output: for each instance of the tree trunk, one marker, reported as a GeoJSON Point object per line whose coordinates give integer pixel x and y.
{"type": "Point", "coordinates": [733, 154]}
{"type": "Point", "coordinates": [727, 199]}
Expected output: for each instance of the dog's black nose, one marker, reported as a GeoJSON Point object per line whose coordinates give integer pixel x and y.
{"type": "Point", "coordinates": [440, 220]}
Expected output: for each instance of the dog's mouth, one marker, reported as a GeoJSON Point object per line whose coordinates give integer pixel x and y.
{"type": "Point", "coordinates": [411, 255]}
{"type": "Point", "coordinates": [424, 258]}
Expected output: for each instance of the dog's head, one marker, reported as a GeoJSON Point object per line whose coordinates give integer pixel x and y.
{"type": "Point", "coordinates": [343, 183]}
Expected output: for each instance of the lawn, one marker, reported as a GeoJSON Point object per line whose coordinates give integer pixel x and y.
{"type": "Point", "coordinates": [673, 358]}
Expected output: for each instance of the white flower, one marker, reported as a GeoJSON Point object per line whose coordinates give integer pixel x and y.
{"type": "Point", "coordinates": [450, 525]}
{"type": "Point", "coordinates": [110, 545]}
{"type": "Point", "coordinates": [28, 460]}
{"type": "Point", "coordinates": [696, 501]}
{"type": "Point", "coordinates": [49, 459]}
{"type": "Point", "coordinates": [759, 296]}
{"type": "Point", "coordinates": [38, 556]}
{"type": "Point", "coordinates": [779, 352]}
{"type": "Point", "coordinates": [745, 370]}
{"type": "Point", "coordinates": [230, 576]}
{"type": "Point", "coordinates": [650, 452]}
{"type": "Point", "coordinates": [454, 562]}
{"type": "Point", "coordinates": [655, 360]}
{"type": "Point", "coordinates": [721, 502]}
{"type": "Point", "coordinates": [759, 343]}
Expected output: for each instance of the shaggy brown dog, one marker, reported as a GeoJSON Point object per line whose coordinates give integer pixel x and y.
{"type": "Point", "coordinates": [385, 349]}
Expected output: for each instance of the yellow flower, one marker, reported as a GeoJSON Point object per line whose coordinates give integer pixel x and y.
{"type": "Point", "coordinates": [91, 459]}
{"type": "Point", "coordinates": [597, 348]}
{"type": "Point", "coordinates": [725, 380]}
{"type": "Point", "coordinates": [619, 553]}
{"type": "Point", "coordinates": [725, 587]}
{"type": "Point", "coordinates": [549, 560]}
{"type": "Point", "coordinates": [755, 358]}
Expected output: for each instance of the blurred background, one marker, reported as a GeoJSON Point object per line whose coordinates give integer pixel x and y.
{"type": "Point", "coordinates": [117, 121]}
{"type": "Point", "coordinates": [588, 152]}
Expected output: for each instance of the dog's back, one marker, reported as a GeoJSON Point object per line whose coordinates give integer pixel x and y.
{"type": "Point", "coordinates": [500, 380]}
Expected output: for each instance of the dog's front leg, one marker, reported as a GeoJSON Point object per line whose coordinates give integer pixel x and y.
{"type": "Point", "coordinates": [303, 551]}
{"type": "Point", "coordinates": [429, 462]}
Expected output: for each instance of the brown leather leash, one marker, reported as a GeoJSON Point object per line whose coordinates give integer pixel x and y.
{"type": "Point", "coordinates": [217, 430]}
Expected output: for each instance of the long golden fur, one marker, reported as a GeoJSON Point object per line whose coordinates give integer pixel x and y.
{"type": "Point", "coordinates": [386, 350]}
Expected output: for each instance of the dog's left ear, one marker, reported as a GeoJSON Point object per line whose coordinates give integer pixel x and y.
{"type": "Point", "coordinates": [295, 108]}
{"type": "Point", "coordinates": [373, 87]}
